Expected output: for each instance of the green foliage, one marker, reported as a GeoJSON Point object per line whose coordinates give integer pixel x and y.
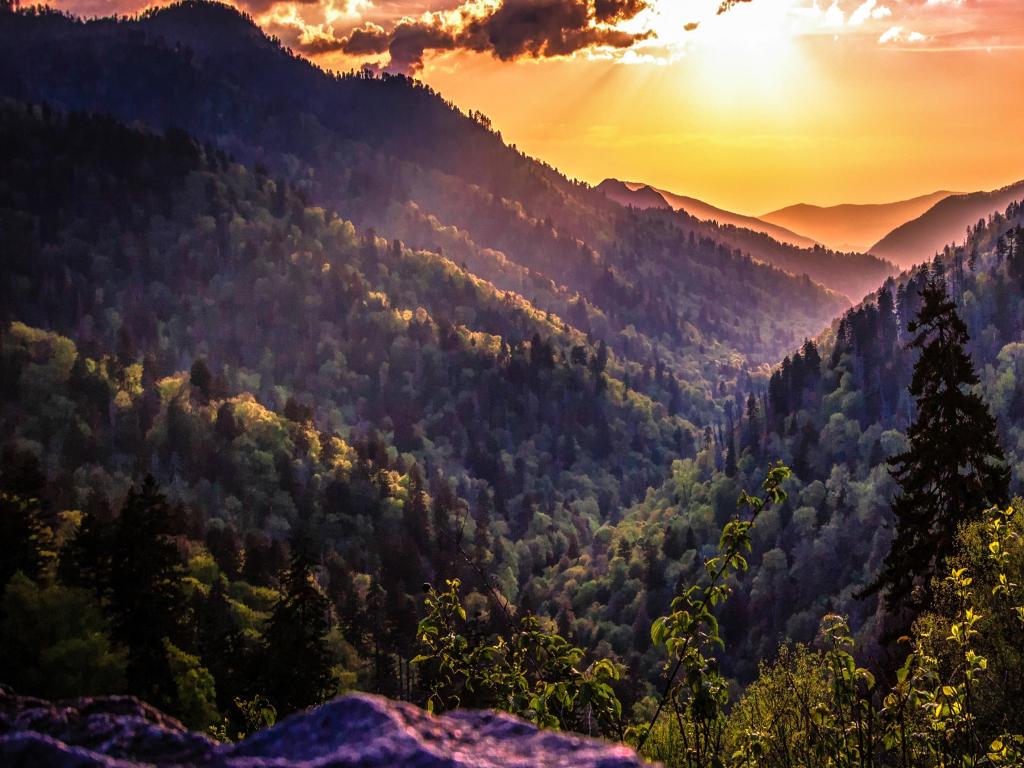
{"type": "Point", "coordinates": [814, 708]}
{"type": "Point", "coordinates": [526, 670]}
{"type": "Point", "coordinates": [827, 711]}
{"type": "Point", "coordinates": [695, 692]}
{"type": "Point", "coordinates": [194, 688]}
{"type": "Point", "coordinates": [56, 642]}
{"type": "Point", "coordinates": [146, 598]}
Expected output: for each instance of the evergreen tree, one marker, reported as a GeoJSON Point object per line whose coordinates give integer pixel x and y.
{"type": "Point", "coordinates": [1015, 256]}
{"type": "Point", "coordinates": [145, 590]}
{"type": "Point", "coordinates": [954, 467]}
{"type": "Point", "coordinates": [22, 536]}
{"type": "Point", "coordinates": [85, 559]}
{"type": "Point", "coordinates": [201, 378]}
{"type": "Point", "coordinates": [297, 665]}
{"type": "Point", "coordinates": [221, 644]}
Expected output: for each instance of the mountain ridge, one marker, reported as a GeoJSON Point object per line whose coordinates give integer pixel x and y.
{"type": "Point", "coordinates": [943, 224]}
{"type": "Point", "coordinates": [852, 226]}
{"type": "Point", "coordinates": [639, 195]}
{"type": "Point", "coordinates": [852, 275]}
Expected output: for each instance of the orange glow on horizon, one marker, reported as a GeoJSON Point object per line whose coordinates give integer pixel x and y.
{"type": "Point", "coordinates": [822, 121]}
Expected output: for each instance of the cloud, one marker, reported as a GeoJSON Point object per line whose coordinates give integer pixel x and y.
{"type": "Point", "coordinates": [508, 30]}
{"type": "Point", "coordinates": [869, 9]}
{"type": "Point", "coordinates": [368, 40]}
{"type": "Point", "coordinates": [896, 34]}
{"type": "Point", "coordinates": [612, 11]}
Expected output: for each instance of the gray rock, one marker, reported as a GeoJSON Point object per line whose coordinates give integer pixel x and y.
{"type": "Point", "coordinates": [355, 731]}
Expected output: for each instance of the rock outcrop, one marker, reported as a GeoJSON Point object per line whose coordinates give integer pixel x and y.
{"type": "Point", "coordinates": [355, 730]}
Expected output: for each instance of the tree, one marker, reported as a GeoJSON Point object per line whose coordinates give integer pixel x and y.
{"type": "Point", "coordinates": [221, 644]}
{"type": "Point", "coordinates": [145, 591]}
{"type": "Point", "coordinates": [85, 558]}
{"type": "Point", "coordinates": [22, 535]}
{"type": "Point", "coordinates": [201, 378]}
{"type": "Point", "coordinates": [297, 665]}
{"type": "Point", "coordinates": [1015, 256]}
{"type": "Point", "coordinates": [954, 466]}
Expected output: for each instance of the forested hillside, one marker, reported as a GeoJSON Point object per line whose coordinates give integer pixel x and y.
{"type": "Point", "coordinates": [276, 372]}
{"type": "Point", "coordinates": [392, 155]}
{"type": "Point", "coordinates": [835, 411]}
{"type": "Point", "coordinates": [310, 383]}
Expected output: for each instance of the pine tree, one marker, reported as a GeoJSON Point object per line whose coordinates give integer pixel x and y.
{"type": "Point", "coordinates": [954, 467]}
{"type": "Point", "coordinates": [297, 664]}
{"type": "Point", "coordinates": [21, 537]}
{"type": "Point", "coordinates": [85, 559]}
{"type": "Point", "coordinates": [145, 590]}
{"type": "Point", "coordinates": [221, 644]}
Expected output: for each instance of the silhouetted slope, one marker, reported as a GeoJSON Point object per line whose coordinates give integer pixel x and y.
{"type": "Point", "coordinates": [638, 196]}
{"type": "Point", "coordinates": [943, 224]}
{"type": "Point", "coordinates": [849, 226]}
{"type": "Point", "coordinates": [645, 196]}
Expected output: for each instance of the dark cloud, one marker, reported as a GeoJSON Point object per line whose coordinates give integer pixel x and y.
{"type": "Point", "coordinates": [366, 41]}
{"type": "Point", "coordinates": [516, 29]}
{"type": "Point", "coordinates": [610, 11]}
{"type": "Point", "coordinates": [409, 41]}
{"type": "Point", "coordinates": [260, 7]}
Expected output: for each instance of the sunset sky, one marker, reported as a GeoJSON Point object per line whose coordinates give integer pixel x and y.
{"type": "Point", "coordinates": [769, 103]}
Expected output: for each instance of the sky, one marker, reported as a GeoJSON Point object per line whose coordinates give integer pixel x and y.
{"type": "Point", "coordinates": [750, 105]}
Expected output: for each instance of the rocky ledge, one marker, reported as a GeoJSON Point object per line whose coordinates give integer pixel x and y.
{"type": "Point", "coordinates": [355, 730]}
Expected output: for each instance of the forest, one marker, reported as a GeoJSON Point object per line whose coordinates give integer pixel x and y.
{"type": "Point", "coordinates": [270, 434]}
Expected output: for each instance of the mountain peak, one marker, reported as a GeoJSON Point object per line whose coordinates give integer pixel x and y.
{"type": "Point", "coordinates": [206, 25]}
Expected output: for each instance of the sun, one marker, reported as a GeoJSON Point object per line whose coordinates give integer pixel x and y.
{"type": "Point", "coordinates": [750, 52]}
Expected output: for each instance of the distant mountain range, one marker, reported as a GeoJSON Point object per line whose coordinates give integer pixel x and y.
{"type": "Point", "coordinates": [852, 274]}
{"type": "Point", "coordinates": [850, 227]}
{"type": "Point", "coordinates": [903, 233]}
{"type": "Point", "coordinates": [944, 223]}
{"type": "Point", "coordinates": [639, 195]}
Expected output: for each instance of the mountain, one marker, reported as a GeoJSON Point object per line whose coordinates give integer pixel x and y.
{"type": "Point", "coordinates": [852, 227]}
{"type": "Point", "coordinates": [433, 177]}
{"type": "Point", "coordinates": [943, 224]}
{"type": "Point", "coordinates": [852, 274]}
{"type": "Point", "coordinates": [644, 196]}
